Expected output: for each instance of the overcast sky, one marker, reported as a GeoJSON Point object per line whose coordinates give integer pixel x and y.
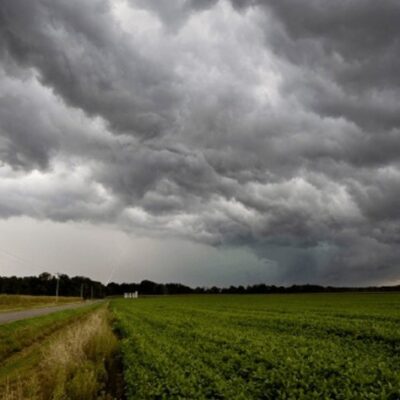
{"type": "Point", "coordinates": [202, 141]}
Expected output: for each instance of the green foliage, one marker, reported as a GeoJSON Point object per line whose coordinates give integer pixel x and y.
{"type": "Point", "coordinates": [320, 346]}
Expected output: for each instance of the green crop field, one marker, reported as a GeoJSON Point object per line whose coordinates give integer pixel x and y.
{"type": "Point", "coordinates": [320, 346]}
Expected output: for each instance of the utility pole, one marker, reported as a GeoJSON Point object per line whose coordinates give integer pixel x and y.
{"type": "Point", "coordinates": [58, 285]}
{"type": "Point", "coordinates": [91, 294]}
{"type": "Point", "coordinates": [81, 291]}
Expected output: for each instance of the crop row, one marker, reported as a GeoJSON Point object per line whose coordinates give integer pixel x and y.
{"type": "Point", "coordinates": [264, 347]}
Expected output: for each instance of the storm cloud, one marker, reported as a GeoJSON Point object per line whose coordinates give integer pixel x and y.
{"type": "Point", "coordinates": [263, 125]}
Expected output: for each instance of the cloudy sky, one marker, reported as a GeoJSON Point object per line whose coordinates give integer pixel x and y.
{"type": "Point", "coordinates": [202, 141]}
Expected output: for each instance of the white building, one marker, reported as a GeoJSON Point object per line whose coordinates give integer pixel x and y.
{"type": "Point", "coordinates": [133, 295]}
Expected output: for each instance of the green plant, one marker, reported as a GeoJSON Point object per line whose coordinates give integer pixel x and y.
{"type": "Point", "coordinates": [328, 346]}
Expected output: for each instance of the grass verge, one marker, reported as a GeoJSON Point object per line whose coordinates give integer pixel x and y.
{"type": "Point", "coordinates": [19, 335]}
{"type": "Point", "coordinates": [79, 363]}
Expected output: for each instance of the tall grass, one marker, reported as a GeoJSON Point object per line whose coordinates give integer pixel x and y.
{"type": "Point", "coordinates": [73, 365]}
{"type": "Point", "coordinates": [22, 335]}
{"type": "Point", "coordinates": [13, 391]}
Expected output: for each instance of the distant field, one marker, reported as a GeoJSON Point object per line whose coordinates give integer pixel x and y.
{"type": "Point", "coordinates": [322, 346]}
{"type": "Point", "coordinates": [19, 302]}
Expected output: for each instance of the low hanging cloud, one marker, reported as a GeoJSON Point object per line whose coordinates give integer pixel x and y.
{"type": "Point", "coordinates": [264, 124]}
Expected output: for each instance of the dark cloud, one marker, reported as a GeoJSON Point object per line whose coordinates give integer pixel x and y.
{"type": "Point", "coordinates": [25, 132]}
{"type": "Point", "coordinates": [267, 125]}
{"type": "Point", "coordinates": [79, 52]}
{"type": "Point", "coordinates": [174, 14]}
{"type": "Point", "coordinates": [352, 45]}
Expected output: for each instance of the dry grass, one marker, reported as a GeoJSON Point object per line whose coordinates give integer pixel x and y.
{"type": "Point", "coordinates": [13, 392]}
{"type": "Point", "coordinates": [19, 302]}
{"type": "Point", "coordinates": [73, 365]}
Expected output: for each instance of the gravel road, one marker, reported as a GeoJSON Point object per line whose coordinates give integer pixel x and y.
{"type": "Point", "coordinates": [6, 317]}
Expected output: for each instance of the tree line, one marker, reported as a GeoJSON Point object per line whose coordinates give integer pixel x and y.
{"type": "Point", "coordinates": [45, 284]}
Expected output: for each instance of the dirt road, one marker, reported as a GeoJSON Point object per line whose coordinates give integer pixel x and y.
{"type": "Point", "coordinates": [6, 317]}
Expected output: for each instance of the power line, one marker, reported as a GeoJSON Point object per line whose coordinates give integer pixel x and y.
{"type": "Point", "coordinates": [24, 261]}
